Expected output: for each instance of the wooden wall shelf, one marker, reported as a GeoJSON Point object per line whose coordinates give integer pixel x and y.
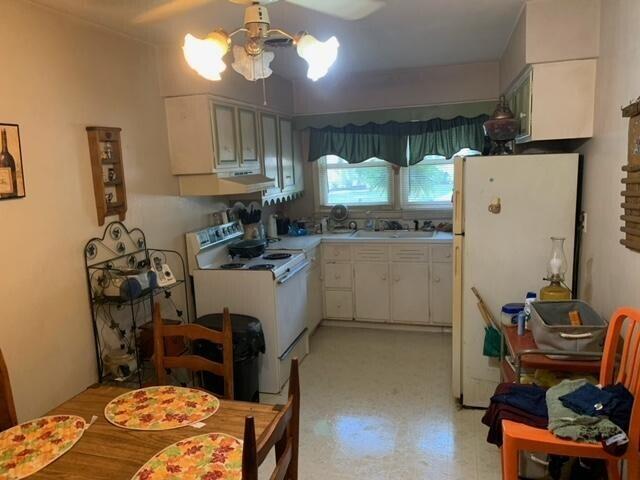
{"type": "Point", "coordinates": [107, 169]}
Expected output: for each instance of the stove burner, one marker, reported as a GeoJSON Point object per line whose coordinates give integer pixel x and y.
{"type": "Point", "coordinates": [232, 266]}
{"type": "Point", "coordinates": [276, 256]}
{"type": "Point", "coordinates": [262, 266]}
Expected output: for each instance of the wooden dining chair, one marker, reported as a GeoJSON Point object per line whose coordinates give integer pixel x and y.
{"type": "Point", "coordinates": [8, 416]}
{"type": "Point", "coordinates": [283, 433]}
{"type": "Point", "coordinates": [518, 437]}
{"type": "Point", "coordinates": [192, 362]}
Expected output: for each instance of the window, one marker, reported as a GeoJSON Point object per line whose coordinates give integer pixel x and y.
{"type": "Point", "coordinates": [428, 184]}
{"type": "Point", "coordinates": [369, 183]}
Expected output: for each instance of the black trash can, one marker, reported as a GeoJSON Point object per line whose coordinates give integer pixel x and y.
{"type": "Point", "coordinates": [248, 343]}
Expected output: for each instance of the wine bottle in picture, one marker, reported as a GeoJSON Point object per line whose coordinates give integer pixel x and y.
{"type": "Point", "coordinates": [8, 178]}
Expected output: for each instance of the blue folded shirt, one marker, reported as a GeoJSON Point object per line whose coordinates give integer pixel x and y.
{"type": "Point", "coordinates": [614, 402]}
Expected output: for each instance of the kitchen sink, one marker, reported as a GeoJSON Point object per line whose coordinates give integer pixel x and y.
{"type": "Point", "coordinates": [392, 234]}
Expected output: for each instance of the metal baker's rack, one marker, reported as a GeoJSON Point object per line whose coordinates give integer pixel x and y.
{"type": "Point", "coordinates": [121, 249]}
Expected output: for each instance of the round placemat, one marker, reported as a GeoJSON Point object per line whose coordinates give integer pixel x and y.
{"type": "Point", "coordinates": [160, 408]}
{"type": "Point", "coordinates": [29, 447]}
{"type": "Point", "coordinates": [213, 456]}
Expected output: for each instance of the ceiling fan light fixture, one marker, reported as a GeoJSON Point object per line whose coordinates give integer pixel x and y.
{"type": "Point", "coordinates": [252, 67]}
{"type": "Point", "coordinates": [319, 55]}
{"type": "Point", "coordinates": [206, 56]}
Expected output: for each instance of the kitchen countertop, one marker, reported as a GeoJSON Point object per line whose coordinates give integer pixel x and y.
{"type": "Point", "coordinates": [309, 242]}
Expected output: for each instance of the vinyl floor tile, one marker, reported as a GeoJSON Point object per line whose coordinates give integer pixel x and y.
{"type": "Point", "coordinates": [377, 405]}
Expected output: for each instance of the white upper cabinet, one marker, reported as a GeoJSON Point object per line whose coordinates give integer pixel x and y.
{"type": "Point", "coordinates": [204, 137]}
{"type": "Point", "coordinates": [248, 138]}
{"type": "Point", "coordinates": [224, 135]}
{"type": "Point", "coordinates": [555, 101]}
{"type": "Point", "coordinates": [286, 147]}
{"type": "Point", "coordinates": [270, 149]}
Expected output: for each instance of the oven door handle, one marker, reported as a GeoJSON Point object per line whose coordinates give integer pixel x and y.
{"type": "Point", "coordinates": [292, 273]}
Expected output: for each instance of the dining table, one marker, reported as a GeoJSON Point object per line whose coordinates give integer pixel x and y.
{"type": "Point", "coordinates": [108, 452]}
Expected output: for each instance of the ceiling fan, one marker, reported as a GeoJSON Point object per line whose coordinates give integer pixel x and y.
{"type": "Point", "coordinates": [253, 57]}
{"type": "Point", "coordinates": [344, 9]}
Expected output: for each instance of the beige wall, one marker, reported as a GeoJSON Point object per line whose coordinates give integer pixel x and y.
{"type": "Point", "coordinates": [60, 76]}
{"type": "Point", "coordinates": [610, 272]}
{"type": "Point", "coordinates": [551, 31]}
{"type": "Point", "coordinates": [398, 88]}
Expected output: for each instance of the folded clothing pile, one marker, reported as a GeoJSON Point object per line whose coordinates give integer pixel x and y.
{"type": "Point", "coordinates": [518, 403]}
{"type": "Point", "coordinates": [574, 410]}
{"type": "Point", "coordinates": [583, 412]}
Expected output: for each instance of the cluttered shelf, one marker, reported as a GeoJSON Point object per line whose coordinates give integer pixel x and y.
{"type": "Point", "coordinates": [142, 297]}
{"type": "Point", "coordinates": [525, 348]}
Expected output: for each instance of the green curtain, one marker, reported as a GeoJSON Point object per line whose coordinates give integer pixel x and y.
{"type": "Point", "coordinates": [445, 137]}
{"type": "Point", "coordinates": [359, 143]}
{"type": "Point", "coordinates": [389, 141]}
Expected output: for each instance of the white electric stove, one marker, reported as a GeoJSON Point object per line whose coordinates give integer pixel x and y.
{"type": "Point", "coordinates": [271, 288]}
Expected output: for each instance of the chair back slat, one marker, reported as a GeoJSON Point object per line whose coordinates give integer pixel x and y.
{"type": "Point", "coordinates": [282, 467]}
{"type": "Point", "coordinates": [194, 363]}
{"type": "Point", "coordinates": [8, 417]}
{"type": "Point", "coordinates": [193, 332]}
{"type": "Point", "coordinates": [628, 368]}
{"type": "Point", "coordinates": [283, 433]}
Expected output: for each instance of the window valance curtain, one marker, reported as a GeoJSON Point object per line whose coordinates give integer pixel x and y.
{"type": "Point", "coordinates": [389, 141]}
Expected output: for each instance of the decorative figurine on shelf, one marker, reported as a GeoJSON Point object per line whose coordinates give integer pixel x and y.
{"type": "Point", "coordinates": [111, 175]}
{"type": "Point", "coordinates": [501, 128]}
{"type": "Point", "coordinates": [107, 152]}
{"type": "Point", "coordinates": [108, 197]}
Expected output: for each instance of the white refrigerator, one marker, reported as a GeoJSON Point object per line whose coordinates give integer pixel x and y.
{"type": "Point", "coordinates": [503, 251]}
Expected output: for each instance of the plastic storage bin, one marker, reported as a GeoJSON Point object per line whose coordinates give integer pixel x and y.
{"type": "Point", "coordinates": [509, 313]}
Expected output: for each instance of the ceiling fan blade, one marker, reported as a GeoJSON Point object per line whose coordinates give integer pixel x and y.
{"type": "Point", "coordinates": [345, 9]}
{"type": "Point", "coordinates": [168, 9]}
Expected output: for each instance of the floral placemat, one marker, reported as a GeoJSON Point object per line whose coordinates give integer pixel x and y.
{"type": "Point", "coordinates": [31, 446]}
{"type": "Point", "coordinates": [214, 456]}
{"type": "Point", "coordinates": [160, 408]}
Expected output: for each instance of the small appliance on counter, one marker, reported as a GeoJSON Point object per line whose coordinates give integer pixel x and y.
{"type": "Point", "coordinates": [272, 227]}
{"type": "Point", "coordinates": [125, 285]}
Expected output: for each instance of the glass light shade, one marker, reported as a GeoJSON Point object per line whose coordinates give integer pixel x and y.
{"type": "Point", "coordinates": [205, 56]}
{"type": "Point", "coordinates": [557, 266]}
{"type": "Point", "coordinates": [319, 55]}
{"type": "Point", "coordinates": [252, 67]}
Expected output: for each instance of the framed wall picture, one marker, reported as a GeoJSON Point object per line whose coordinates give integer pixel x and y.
{"type": "Point", "coordinates": [11, 171]}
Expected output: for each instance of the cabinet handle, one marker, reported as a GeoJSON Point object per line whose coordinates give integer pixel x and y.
{"type": "Point", "coordinates": [436, 279]}
{"type": "Point", "coordinates": [396, 279]}
{"type": "Point", "coordinates": [384, 278]}
{"type": "Point", "coordinates": [523, 115]}
{"type": "Point", "coordinates": [337, 277]}
{"type": "Point", "coordinates": [448, 255]}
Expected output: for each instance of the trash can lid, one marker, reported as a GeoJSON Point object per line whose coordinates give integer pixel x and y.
{"type": "Point", "coordinates": [512, 308]}
{"type": "Point", "coordinates": [248, 338]}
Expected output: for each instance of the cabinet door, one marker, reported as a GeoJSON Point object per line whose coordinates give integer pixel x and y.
{"type": "Point", "coordinates": [410, 292]}
{"type": "Point", "coordinates": [372, 291]}
{"type": "Point", "coordinates": [441, 293]}
{"type": "Point", "coordinates": [523, 105]}
{"type": "Point", "coordinates": [337, 275]}
{"type": "Point", "coordinates": [286, 149]}
{"type": "Point", "coordinates": [339, 304]}
{"type": "Point", "coordinates": [248, 138]}
{"type": "Point", "coordinates": [314, 297]}
{"type": "Point", "coordinates": [270, 149]}
{"type": "Point", "coordinates": [224, 125]}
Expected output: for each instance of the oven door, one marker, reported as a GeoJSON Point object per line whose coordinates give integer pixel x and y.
{"type": "Point", "coordinates": [291, 293]}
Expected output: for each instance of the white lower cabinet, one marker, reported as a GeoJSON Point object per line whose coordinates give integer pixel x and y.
{"type": "Point", "coordinates": [399, 283]}
{"type": "Point", "coordinates": [372, 291]}
{"type": "Point", "coordinates": [314, 295]}
{"type": "Point", "coordinates": [441, 293]}
{"type": "Point", "coordinates": [410, 293]}
{"type": "Point", "coordinates": [339, 304]}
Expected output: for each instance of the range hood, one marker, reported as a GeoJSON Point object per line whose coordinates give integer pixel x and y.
{"type": "Point", "coordinates": [213, 184]}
